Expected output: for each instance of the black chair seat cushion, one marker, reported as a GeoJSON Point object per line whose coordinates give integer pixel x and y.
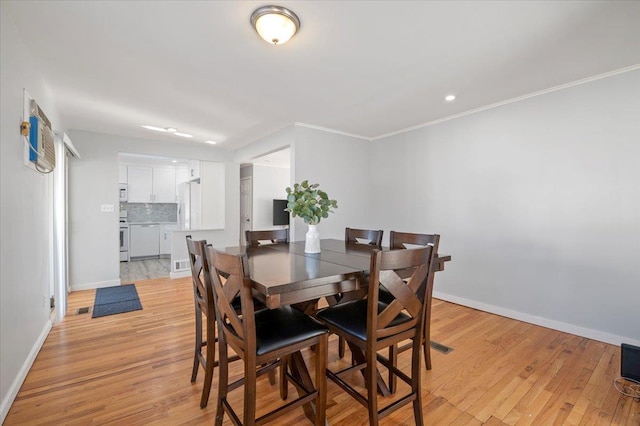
{"type": "Point", "coordinates": [384, 295]}
{"type": "Point", "coordinates": [352, 317]}
{"type": "Point", "coordinates": [237, 305]}
{"type": "Point", "coordinates": [278, 328]}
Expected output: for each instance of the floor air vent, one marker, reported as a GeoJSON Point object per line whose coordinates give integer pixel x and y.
{"type": "Point", "coordinates": [182, 265]}
{"type": "Point", "coordinates": [440, 347]}
{"type": "Point", "coordinates": [84, 310]}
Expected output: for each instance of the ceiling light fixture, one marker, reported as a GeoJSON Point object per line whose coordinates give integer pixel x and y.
{"type": "Point", "coordinates": [275, 24]}
{"type": "Point", "coordinates": [450, 98]}
{"type": "Point", "coordinates": [157, 129]}
{"type": "Point", "coordinates": [171, 129]}
{"type": "Point", "coordinates": [184, 135]}
{"type": "Point", "coordinates": [211, 142]}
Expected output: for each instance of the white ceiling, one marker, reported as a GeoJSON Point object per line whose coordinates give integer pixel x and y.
{"type": "Point", "coordinates": [358, 67]}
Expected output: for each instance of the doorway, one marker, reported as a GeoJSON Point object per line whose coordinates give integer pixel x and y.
{"type": "Point", "coordinates": [263, 180]}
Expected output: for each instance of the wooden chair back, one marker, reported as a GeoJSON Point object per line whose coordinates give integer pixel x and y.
{"type": "Point", "coordinates": [238, 327]}
{"type": "Point", "coordinates": [402, 240]}
{"type": "Point", "coordinates": [275, 236]}
{"type": "Point", "coordinates": [202, 291]}
{"type": "Point", "coordinates": [352, 235]}
{"type": "Point", "coordinates": [409, 293]}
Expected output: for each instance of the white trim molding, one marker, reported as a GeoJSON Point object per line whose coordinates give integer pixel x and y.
{"type": "Point", "coordinates": [5, 405]}
{"type": "Point", "coordinates": [589, 333]}
{"type": "Point", "coordinates": [328, 130]}
{"type": "Point", "coordinates": [512, 100]}
{"type": "Point", "coordinates": [94, 285]}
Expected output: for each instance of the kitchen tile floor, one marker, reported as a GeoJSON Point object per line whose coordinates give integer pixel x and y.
{"type": "Point", "coordinates": [144, 270]}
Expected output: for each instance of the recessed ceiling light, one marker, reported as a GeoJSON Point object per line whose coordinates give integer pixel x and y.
{"type": "Point", "coordinates": [184, 135]}
{"type": "Point", "coordinates": [211, 142]}
{"type": "Point", "coordinates": [157, 129]}
{"type": "Point", "coordinates": [174, 161]}
{"type": "Point", "coordinates": [171, 129]}
{"type": "Point", "coordinates": [450, 98]}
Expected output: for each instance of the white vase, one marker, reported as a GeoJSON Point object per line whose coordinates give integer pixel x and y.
{"type": "Point", "coordinates": [312, 240]}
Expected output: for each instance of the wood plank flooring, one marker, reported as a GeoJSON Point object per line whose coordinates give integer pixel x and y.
{"type": "Point", "coordinates": [134, 369]}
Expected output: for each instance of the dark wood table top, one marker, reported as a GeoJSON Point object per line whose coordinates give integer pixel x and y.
{"type": "Point", "coordinates": [284, 274]}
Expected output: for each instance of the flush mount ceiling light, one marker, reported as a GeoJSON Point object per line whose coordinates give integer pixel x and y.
{"type": "Point", "coordinates": [211, 142]}
{"type": "Point", "coordinates": [275, 24]}
{"type": "Point", "coordinates": [450, 98]}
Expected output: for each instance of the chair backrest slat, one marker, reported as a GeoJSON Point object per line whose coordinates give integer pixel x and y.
{"type": "Point", "coordinates": [275, 236]}
{"type": "Point", "coordinates": [373, 237]}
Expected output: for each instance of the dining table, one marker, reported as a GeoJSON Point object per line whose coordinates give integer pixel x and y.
{"type": "Point", "coordinates": [283, 274]}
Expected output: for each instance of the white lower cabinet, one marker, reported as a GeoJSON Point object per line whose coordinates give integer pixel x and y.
{"type": "Point", "coordinates": [145, 240]}
{"type": "Point", "coordinates": [165, 238]}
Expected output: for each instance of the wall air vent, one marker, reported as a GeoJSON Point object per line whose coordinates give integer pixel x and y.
{"type": "Point", "coordinates": [182, 265]}
{"type": "Point", "coordinates": [41, 148]}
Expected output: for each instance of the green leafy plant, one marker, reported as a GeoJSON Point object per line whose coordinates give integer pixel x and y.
{"type": "Point", "coordinates": [310, 203]}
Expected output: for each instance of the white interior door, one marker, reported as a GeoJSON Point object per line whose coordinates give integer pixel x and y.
{"type": "Point", "coordinates": [246, 197]}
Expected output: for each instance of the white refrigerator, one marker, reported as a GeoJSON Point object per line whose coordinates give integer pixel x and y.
{"type": "Point", "coordinates": [190, 205]}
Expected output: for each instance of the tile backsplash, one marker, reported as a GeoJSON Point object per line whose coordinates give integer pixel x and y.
{"type": "Point", "coordinates": [150, 212]}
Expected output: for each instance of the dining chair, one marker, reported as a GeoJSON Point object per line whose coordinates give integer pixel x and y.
{"type": "Point", "coordinates": [274, 236]}
{"type": "Point", "coordinates": [261, 339]}
{"type": "Point", "coordinates": [373, 237]}
{"type": "Point", "coordinates": [404, 240]}
{"type": "Point", "coordinates": [370, 325]}
{"type": "Point", "coordinates": [204, 305]}
{"type": "Point", "coordinates": [351, 236]}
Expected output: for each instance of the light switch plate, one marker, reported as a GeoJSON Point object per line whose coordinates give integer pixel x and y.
{"type": "Point", "coordinates": [106, 208]}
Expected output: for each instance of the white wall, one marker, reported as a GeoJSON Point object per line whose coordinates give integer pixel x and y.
{"type": "Point", "coordinates": [25, 219]}
{"type": "Point", "coordinates": [93, 181]}
{"type": "Point", "coordinates": [538, 202]}
{"type": "Point", "coordinates": [340, 164]}
{"type": "Point", "coordinates": [269, 183]}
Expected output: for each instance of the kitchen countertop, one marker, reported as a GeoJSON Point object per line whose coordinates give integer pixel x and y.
{"type": "Point", "coordinates": [152, 223]}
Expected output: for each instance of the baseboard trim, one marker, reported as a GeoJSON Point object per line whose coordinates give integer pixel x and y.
{"type": "Point", "coordinates": [22, 374]}
{"type": "Point", "coordinates": [589, 333]}
{"type": "Point", "coordinates": [179, 274]}
{"type": "Point", "coordinates": [94, 285]}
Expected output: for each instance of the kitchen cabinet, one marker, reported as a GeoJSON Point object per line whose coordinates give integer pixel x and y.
{"type": "Point", "coordinates": [194, 169]}
{"type": "Point", "coordinates": [164, 185]}
{"type": "Point", "coordinates": [165, 238]}
{"type": "Point", "coordinates": [148, 184]}
{"type": "Point", "coordinates": [122, 173]}
{"type": "Point", "coordinates": [201, 205]}
{"type": "Point", "coordinates": [144, 240]}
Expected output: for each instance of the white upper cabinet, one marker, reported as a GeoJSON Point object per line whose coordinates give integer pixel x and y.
{"type": "Point", "coordinates": [140, 184]}
{"type": "Point", "coordinates": [122, 173]}
{"type": "Point", "coordinates": [194, 169]}
{"type": "Point", "coordinates": [164, 185]}
{"type": "Point", "coordinates": [148, 184]}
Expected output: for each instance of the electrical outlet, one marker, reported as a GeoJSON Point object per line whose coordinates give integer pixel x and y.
{"type": "Point", "coordinates": [107, 208]}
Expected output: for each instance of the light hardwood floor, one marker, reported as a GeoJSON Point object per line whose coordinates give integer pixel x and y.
{"type": "Point", "coordinates": [134, 369]}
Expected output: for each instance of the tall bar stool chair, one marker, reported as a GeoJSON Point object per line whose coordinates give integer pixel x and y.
{"type": "Point", "coordinates": [351, 236]}
{"type": "Point", "coordinates": [262, 339]}
{"type": "Point", "coordinates": [370, 325]}
{"type": "Point", "coordinates": [403, 240]}
{"type": "Point", "coordinates": [204, 306]}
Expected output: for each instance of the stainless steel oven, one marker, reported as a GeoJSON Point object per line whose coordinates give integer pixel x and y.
{"type": "Point", "coordinates": [124, 237]}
